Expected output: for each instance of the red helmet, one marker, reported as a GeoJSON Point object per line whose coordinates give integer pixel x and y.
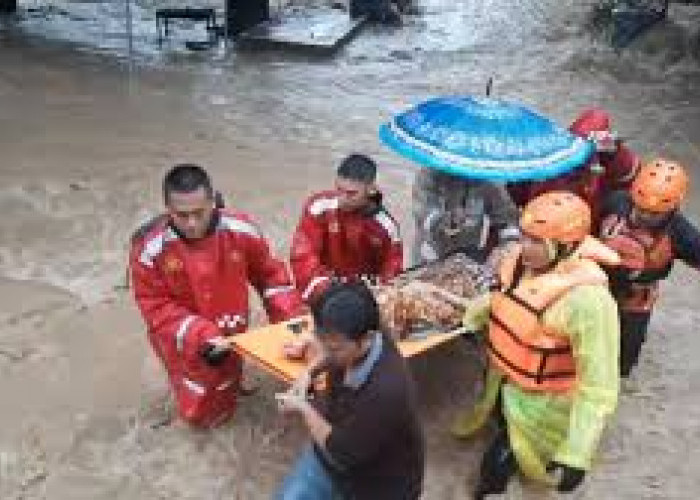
{"type": "Point", "coordinates": [591, 120]}
{"type": "Point", "coordinates": [594, 124]}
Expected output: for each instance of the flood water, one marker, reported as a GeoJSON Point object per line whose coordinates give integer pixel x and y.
{"type": "Point", "coordinates": [278, 103]}
{"type": "Point", "coordinates": [85, 140]}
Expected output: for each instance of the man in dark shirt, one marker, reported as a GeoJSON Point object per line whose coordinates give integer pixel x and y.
{"type": "Point", "coordinates": [367, 439]}
{"type": "Point", "coordinates": [647, 229]}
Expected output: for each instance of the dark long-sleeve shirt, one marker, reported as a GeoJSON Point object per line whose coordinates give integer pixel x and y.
{"type": "Point", "coordinates": [376, 446]}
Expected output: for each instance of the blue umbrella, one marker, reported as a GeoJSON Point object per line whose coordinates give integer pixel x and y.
{"type": "Point", "coordinates": [485, 138]}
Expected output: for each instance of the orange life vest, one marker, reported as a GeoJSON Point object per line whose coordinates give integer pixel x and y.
{"type": "Point", "coordinates": [533, 355]}
{"type": "Point", "coordinates": [658, 255]}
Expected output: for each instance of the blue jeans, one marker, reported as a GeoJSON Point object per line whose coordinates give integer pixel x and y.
{"type": "Point", "coordinates": [309, 480]}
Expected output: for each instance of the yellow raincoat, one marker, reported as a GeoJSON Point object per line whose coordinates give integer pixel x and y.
{"type": "Point", "coordinates": [560, 427]}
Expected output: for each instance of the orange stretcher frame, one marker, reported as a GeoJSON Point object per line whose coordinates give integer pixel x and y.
{"type": "Point", "coordinates": [263, 346]}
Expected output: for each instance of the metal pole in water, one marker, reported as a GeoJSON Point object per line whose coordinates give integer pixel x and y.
{"type": "Point", "coordinates": [129, 35]}
{"type": "Point", "coordinates": [226, 13]}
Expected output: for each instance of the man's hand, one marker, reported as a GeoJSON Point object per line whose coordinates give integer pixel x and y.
{"type": "Point", "coordinates": [291, 402]}
{"type": "Point", "coordinates": [567, 478]}
{"type": "Point", "coordinates": [497, 254]}
{"type": "Point", "coordinates": [630, 251]}
{"type": "Point", "coordinates": [295, 350]}
{"type": "Point", "coordinates": [305, 348]}
{"type": "Point", "coordinates": [302, 385]}
{"type": "Point", "coordinates": [476, 312]}
{"type": "Point", "coordinates": [301, 348]}
{"type": "Point", "coordinates": [297, 394]}
{"type": "Point", "coordinates": [215, 351]}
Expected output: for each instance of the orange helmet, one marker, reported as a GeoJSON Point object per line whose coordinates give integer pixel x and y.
{"type": "Point", "coordinates": [660, 186]}
{"type": "Point", "coordinates": [560, 216]}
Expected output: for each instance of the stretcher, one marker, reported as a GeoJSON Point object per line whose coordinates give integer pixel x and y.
{"type": "Point", "coordinates": [263, 346]}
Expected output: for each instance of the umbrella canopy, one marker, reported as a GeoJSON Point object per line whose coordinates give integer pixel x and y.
{"type": "Point", "coordinates": [485, 138]}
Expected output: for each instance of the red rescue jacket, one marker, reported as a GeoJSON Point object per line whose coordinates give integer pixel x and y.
{"type": "Point", "coordinates": [331, 243]}
{"type": "Point", "coordinates": [603, 174]}
{"type": "Point", "coordinates": [191, 291]}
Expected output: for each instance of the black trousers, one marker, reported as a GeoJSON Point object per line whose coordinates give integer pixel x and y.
{"type": "Point", "coordinates": [633, 334]}
{"type": "Point", "coordinates": [497, 467]}
{"type": "Point", "coordinates": [498, 463]}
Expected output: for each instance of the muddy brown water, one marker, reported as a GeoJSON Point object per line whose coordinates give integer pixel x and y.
{"type": "Point", "coordinates": [84, 143]}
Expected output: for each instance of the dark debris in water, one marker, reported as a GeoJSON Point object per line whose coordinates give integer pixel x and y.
{"type": "Point", "coordinates": [401, 55]}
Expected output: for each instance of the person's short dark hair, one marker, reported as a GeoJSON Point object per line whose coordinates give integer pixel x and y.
{"type": "Point", "coordinates": [349, 309]}
{"type": "Point", "coordinates": [186, 178]}
{"type": "Point", "coordinates": [358, 167]}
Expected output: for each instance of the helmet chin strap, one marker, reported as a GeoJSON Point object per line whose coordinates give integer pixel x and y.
{"type": "Point", "coordinates": [552, 250]}
{"type": "Point", "coordinates": [554, 256]}
{"type": "Point", "coordinates": [559, 251]}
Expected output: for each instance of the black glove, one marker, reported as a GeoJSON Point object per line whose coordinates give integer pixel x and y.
{"type": "Point", "coordinates": [213, 355]}
{"type": "Point", "coordinates": [569, 477]}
